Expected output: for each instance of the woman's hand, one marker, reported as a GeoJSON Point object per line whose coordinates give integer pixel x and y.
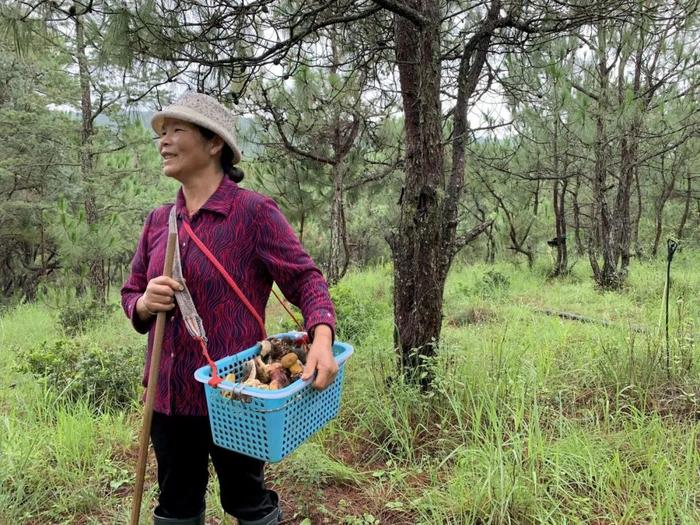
{"type": "Point", "coordinates": [320, 358]}
{"type": "Point", "coordinates": [158, 297]}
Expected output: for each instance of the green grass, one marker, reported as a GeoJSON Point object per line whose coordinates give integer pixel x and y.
{"type": "Point", "coordinates": [532, 418]}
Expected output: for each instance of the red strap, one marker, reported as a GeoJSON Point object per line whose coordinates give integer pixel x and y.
{"type": "Point", "coordinates": [226, 276]}
{"type": "Point", "coordinates": [235, 287]}
{"type": "Point", "coordinates": [301, 328]}
{"type": "Point", "coordinates": [215, 378]}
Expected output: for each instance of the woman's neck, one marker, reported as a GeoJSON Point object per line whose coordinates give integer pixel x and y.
{"type": "Point", "coordinates": [197, 190]}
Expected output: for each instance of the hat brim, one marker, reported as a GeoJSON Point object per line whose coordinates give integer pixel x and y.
{"type": "Point", "coordinates": [189, 115]}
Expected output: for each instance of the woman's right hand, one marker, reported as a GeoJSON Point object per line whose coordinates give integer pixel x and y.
{"type": "Point", "coordinates": [158, 297]}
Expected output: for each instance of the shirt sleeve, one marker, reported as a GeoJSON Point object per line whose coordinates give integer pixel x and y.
{"type": "Point", "coordinates": [136, 283]}
{"type": "Point", "coordinates": [292, 268]}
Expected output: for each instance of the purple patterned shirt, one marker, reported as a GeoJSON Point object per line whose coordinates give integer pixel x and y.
{"type": "Point", "coordinates": [251, 238]}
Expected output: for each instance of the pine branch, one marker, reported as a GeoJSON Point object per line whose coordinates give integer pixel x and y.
{"type": "Point", "coordinates": [400, 9]}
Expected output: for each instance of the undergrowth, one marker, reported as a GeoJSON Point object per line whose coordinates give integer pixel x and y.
{"type": "Point", "coordinates": [531, 418]}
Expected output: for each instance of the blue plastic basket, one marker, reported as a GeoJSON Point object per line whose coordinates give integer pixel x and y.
{"type": "Point", "coordinates": [269, 424]}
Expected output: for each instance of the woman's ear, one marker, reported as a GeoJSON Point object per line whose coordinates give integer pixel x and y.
{"type": "Point", "coordinates": [216, 146]}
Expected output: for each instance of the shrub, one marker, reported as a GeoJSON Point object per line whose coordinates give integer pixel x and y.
{"type": "Point", "coordinates": [357, 311]}
{"type": "Point", "coordinates": [106, 375]}
{"type": "Point", "coordinates": [77, 316]}
{"type": "Point", "coordinates": [493, 283]}
{"type": "Point", "coordinates": [359, 302]}
{"type": "Point", "coordinates": [471, 315]}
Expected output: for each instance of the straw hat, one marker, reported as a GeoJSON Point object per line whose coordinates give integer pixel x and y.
{"type": "Point", "coordinates": [204, 111]}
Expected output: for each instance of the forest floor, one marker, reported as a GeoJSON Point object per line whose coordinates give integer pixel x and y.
{"type": "Point", "coordinates": [532, 418]}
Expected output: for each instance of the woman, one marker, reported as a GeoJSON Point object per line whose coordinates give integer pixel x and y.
{"type": "Point", "coordinates": [253, 241]}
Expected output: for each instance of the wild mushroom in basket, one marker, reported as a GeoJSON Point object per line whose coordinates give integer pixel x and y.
{"type": "Point", "coordinates": [280, 362]}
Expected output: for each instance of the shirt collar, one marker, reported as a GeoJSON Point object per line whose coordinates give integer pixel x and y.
{"type": "Point", "coordinates": [219, 201]}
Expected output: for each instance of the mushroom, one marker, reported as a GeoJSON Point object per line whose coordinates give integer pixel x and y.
{"type": "Point", "coordinates": [289, 359]}
{"type": "Point", "coordinates": [278, 349]}
{"type": "Point", "coordinates": [300, 352]}
{"type": "Point", "coordinates": [232, 379]}
{"type": "Point", "coordinates": [250, 371]}
{"type": "Point", "coordinates": [278, 376]}
{"type": "Point", "coordinates": [265, 348]}
{"type": "Point", "coordinates": [261, 370]}
{"type": "Point", "coordinates": [296, 370]}
{"type": "Point", "coordinates": [291, 362]}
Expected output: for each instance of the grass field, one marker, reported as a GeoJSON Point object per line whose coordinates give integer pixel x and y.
{"type": "Point", "coordinates": [532, 419]}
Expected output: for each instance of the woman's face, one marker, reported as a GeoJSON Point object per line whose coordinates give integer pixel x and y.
{"type": "Point", "coordinates": [185, 151]}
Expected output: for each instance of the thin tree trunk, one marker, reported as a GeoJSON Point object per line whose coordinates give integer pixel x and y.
{"type": "Point", "coordinates": [563, 250]}
{"type": "Point", "coordinates": [344, 237]}
{"type": "Point", "coordinates": [333, 272]}
{"type": "Point", "coordinates": [628, 161]}
{"type": "Point", "coordinates": [660, 204]}
{"type": "Point", "coordinates": [558, 199]}
{"type": "Point", "coordinates": [96, 275]}
{"type": "Point", "coordinates": [601, 241]}
{"type": "Point", "coordinates": [580, 249]}
{"type": "Point", "coordinates": [638, 214]}
{"type": "Point", "coordinates": [686, 207]}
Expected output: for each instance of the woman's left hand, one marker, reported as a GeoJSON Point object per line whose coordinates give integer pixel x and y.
{"type": "Point", "coordinates": [320, 358]}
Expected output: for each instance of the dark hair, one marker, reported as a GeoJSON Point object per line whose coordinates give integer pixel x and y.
{"type": "Point", "coordinates": [232, 172]}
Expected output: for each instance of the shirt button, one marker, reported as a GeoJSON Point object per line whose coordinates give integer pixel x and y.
{"type": "Point", "coordinates": [172, 354]}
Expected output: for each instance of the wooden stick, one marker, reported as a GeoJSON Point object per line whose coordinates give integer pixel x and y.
{"type": "Point", "coordinates": [151, 389]}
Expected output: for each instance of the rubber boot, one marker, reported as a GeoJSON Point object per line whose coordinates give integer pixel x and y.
{"type": "Point", "coordinates": [273, 518]}
{"type": "Point", "coordinates": [196, 520]}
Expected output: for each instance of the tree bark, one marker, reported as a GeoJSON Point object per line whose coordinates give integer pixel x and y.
{"type": "Point", "coordinates": [600, 243]}
{"type": "Point", "coordinates": [637, 215]}
{"type": "Point", "coordinates": [558, 199]}
{"type": "Point", "coordinates": [416, 246]}
{"type": "Point", "coordinates": [333, 271]}
{"type": "Point", "coordinates": [561, 265]}
{"type": "Point", "coordinates": [580, 249]}
{"type": "Point", "coordinates": [628, 160]}
{"type": "Point", "coordinates": [660, 203]}
{"type": "Point", "coordinates": [686, 207]}
{"type": "Point", "coordinates": [96, 274]}
{"type": "Point", "coordinates": [426, 241]}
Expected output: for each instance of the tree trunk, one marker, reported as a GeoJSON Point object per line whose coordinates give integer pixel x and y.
{"type": "Point", "coordinates": [490, 246]}
{"type": "Point", "coordinates": [628, 161]}
{"type": "Point", "coordinates": [622, 205]}
{"type": "Point", "coordinates": [562, 264]}
{"type": "Point", "coordinates": [637, 215]}
{"type": "Point", "coordinates": [600, 241]}
{"type": "Point", "coordinates": [425, 242]}
{"type": "Point", "coordinates": [96, 275]}
{"type": "Point", "coordinates": [333, 272]}
{"type": "Point", "coordinates": [419, 277]}
{"type": "Point", "coordinates": [558, 199]}
{"type": "Point", "coordinates": [686, 207]}
{"type": "Point", "coordinates": [344, 238]}
{"type": "Point", "coordinates": [337, 171]}
{"type": "Point", "coordinates": [660, 204]}
{"type": "Point", "coordinates": [580, 249]}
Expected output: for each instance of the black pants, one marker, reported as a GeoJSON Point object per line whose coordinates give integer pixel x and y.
{"type": "Point", "coordinates": [183, 445]}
